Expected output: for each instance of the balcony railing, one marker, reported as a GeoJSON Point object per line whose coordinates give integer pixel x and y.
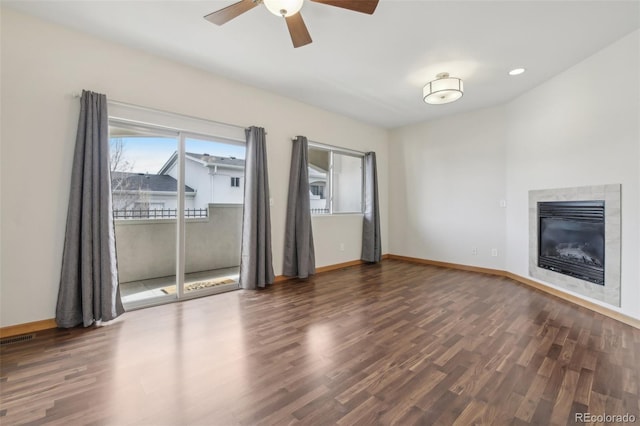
{"type": "Point", "coordinates": [319, 211]}
{"type": "Point", "coordinates": [157, 213]}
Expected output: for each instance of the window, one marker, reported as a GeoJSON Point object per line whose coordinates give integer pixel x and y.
{"type": "Point", "coordinates": [235, 182]}
{"type": "Point", "coordinates": [317, 189]}
{"type": "Point", "coordinates": [335, 180]}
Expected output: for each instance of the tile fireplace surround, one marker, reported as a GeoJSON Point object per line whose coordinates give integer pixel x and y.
{"type": "Point", "coordinates": [610, 291]}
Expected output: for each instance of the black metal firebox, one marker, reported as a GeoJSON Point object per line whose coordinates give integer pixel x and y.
{"type": "Point", "coordinates": [571, 238]}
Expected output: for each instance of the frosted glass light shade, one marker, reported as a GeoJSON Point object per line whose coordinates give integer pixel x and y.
{"type": "Point", "coordinates": [283, 8]}
{"type": "Point", "coordinates": [443, 90]}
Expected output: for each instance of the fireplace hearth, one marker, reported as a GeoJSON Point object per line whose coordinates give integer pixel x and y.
{"type": "Point", "coordinates": [571, 239]}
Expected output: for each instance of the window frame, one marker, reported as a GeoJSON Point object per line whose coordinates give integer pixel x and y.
{"type": "Point", "coordinates": [329, 187]}
{"type": "Point", "coordinates": [181, 127]}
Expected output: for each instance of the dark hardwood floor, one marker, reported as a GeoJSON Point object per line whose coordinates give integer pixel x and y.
{"type": "Point", "coordinates": [394, 343]}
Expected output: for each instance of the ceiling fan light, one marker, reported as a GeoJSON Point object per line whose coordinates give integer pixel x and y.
{"type": "Point", "coordinates": [283, 8]}
{"type": "Point", "coordinates": [443, 90]}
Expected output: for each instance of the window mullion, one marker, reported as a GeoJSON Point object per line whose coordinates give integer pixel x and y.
{"type": "Point", "coordinates": [330, 182]}
{"type": "Point", "coordinates": [181, 228]}
{"type": "Point", "coordinates": [363, 187]}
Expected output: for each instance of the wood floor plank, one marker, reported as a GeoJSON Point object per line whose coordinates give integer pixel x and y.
{"type": "Point", "coordinates": [531, 398]}
{"type": "Point", "coordinates": [391, 343]}
{"type": "Point", "coordinates": [583, 389]}
{"type": "Point", "coordinates": [563, 402]}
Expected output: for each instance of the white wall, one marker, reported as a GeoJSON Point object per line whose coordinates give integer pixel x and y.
{"type": "Point", "coordinates": [196, 176]}
{"type": "Point", "coordinates": [447, 180]}
{"type": "Point", "coordinates": [212, 185]}
{"type": "Point", "coordinates": [223, 192]}
{"type": "Point", "coordinates": [580, 128]}
{"type": "Point", "coordinates": [43, 64]}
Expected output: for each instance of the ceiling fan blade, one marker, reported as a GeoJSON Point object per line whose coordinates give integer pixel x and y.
{"type": "Point", "coordinates": [223, 16]}
{"type": "Point", "coordinates": [298, 30]}
{"type": "Point", "coordinates": [364, 6]}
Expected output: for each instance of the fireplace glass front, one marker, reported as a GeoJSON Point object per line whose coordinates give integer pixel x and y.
{"type": "Point", "coordinates": [571, 239]}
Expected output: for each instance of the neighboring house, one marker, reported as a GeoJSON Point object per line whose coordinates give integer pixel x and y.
{"type": "Point", "coordinates": [209, 179]}
{"type": "Point", "coordinates": [146, 191]}
{"type": "Point", "coordinates": [318, 188]}
{"type": "Point", "coordinates": [217, 180]}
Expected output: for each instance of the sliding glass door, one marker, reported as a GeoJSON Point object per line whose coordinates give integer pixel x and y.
{"type": "Point", "coordinates": [177, 202]}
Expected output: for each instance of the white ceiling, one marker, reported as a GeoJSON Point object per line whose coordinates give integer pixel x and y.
{"type": "Point", "coordinates": [371, 68]}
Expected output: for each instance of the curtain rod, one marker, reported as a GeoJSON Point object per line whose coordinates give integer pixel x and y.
{"type": "Point", "coordinates": [126, 104]}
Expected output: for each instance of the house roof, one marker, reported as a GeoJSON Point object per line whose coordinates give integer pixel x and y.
{"type": "Point", "coordinates": [206, 159]}
{"type": "Point", "coordinates": [123, 181]}
{"type": "Point", "coordinates": [317, 172]}
{"type": "Point", "coordinates": [211, 160]}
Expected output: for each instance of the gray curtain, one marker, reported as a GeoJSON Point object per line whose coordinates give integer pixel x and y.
{"type": "Point", "coordinates": [371, 242]}
{"type": "Point", "coordinates": [256, 267]}
{"type": "Point", "coordinates": [299, 255]}
{"type": "Point", "coordinates": [89, 280]}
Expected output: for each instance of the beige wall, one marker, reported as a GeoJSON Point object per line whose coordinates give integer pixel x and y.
{"type": "Point", "coordinates": [43, 64]}
{"type": "Point", "coordinates": [448, 180]}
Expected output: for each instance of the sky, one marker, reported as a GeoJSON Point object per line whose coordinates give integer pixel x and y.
{"type": "Point", "coordinates": [149, 154]}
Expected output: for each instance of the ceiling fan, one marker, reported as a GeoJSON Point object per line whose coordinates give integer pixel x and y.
{"type": "Point", "coordinates": [290, 11]}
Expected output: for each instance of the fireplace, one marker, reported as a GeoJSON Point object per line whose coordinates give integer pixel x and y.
{"type": "Point", "coordinates": [571, 239]}
{"type": "Point", "coordinates": [576, 220]}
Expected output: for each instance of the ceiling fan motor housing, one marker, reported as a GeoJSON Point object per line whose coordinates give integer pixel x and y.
{"type": "Point", "coordinates": [284, 8]}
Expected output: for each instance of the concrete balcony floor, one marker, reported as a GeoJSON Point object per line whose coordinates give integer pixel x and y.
{"type": "Point", "coordinates": [136, 291]}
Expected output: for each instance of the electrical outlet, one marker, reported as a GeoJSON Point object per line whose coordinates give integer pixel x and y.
{"type": "Point", "coordinates": [341, 246]}
{"type": "Point", "coordinates": [494, 252]}
{"type": "Point", "coordinates": [474, 251]}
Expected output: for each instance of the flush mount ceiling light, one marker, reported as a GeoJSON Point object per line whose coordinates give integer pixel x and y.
{"type": "Point", "coordinates": [443, 89]}
{"type": "Point", "coordinates": [284, 8]}
{"type": "Point", "coordinates": [516, 71]}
